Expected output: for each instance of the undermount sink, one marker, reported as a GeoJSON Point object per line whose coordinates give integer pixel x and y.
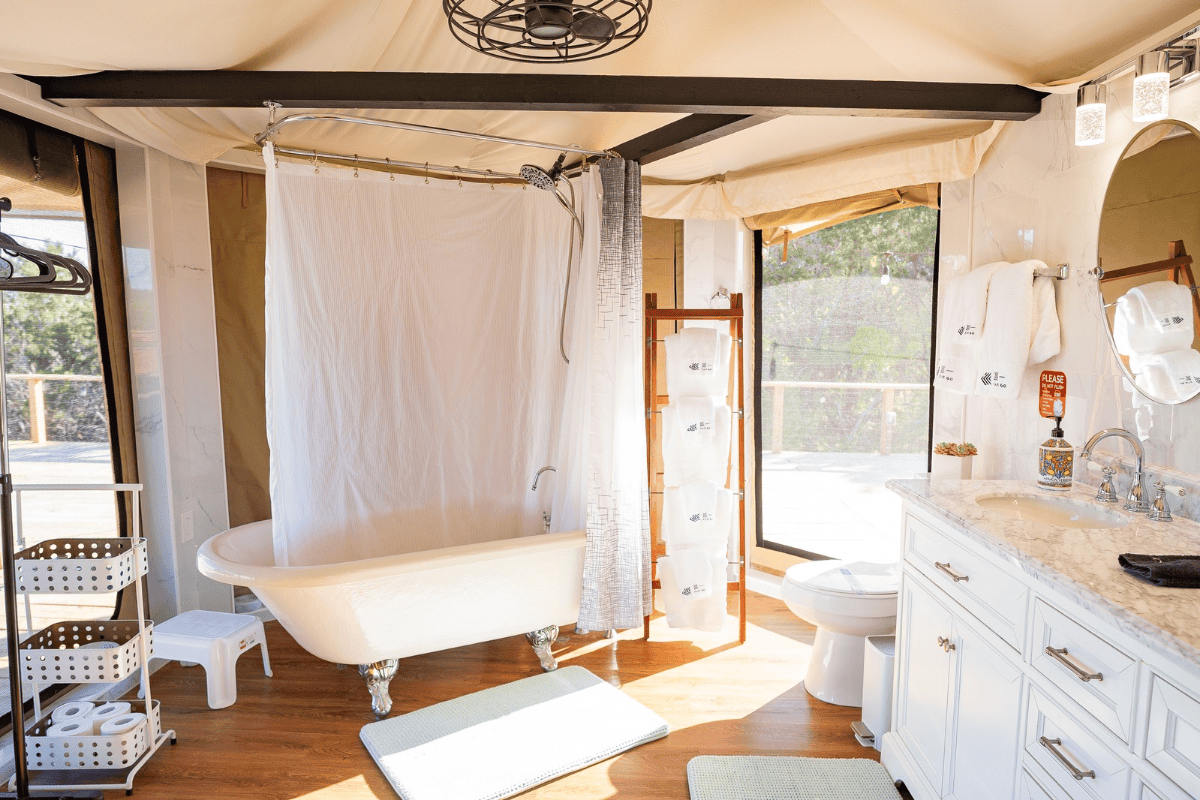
{"type": "Point", "coordinates": [1058, 511]}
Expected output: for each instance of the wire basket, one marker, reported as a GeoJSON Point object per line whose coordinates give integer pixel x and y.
{"type": "Point", "coordinates": [84, 651]}
{"type": "Point", "coordinates": [75, 566]}
{"type": "Point", "coordinates": [91, 752]}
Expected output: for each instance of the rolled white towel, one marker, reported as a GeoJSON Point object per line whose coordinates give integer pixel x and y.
{"type": "Point", "coordinates": [690, 374]}
{"type": "Point", "coordinates": [1136, 334]}
{"type": "Point", "coordinates": [1168, 306]}
{"type": "Point", "coordinates": [1172, 376]}
{"type": "Point", "coordinates": [695, 416]}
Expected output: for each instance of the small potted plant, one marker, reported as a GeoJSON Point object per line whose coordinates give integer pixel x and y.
{"type": "Point", "coordinates": [953, 460]}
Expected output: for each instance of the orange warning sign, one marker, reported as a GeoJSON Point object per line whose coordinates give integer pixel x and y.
{"type": "Point", "coordinates": [1053, 386]}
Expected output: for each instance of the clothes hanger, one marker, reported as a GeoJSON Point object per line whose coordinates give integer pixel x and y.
{"type": "Point", "coordinates": [48, 279]}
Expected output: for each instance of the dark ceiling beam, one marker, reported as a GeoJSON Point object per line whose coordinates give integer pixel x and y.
{"type": "Point", "coordinates": [684, 134]}
{"type": "Point", "coordinates": [543, 92]}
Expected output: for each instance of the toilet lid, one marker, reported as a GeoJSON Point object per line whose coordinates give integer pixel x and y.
{"type": "Point", "coordinates": [847, 577]}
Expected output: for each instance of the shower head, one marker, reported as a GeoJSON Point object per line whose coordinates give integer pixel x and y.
{"type": "Point", "coordinates": [539, 178]}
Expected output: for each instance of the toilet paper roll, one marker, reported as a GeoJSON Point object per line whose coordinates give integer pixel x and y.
{"type": "Point", "coordinates": [76, 727]}
{"type": "Point", "coordinates": [70, 711]}
{"type": "Point", "coordinates": [122, 724]}
{"type": "Point", "coordinates": [107, 711]}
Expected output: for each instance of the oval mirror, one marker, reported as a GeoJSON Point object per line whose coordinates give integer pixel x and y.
{"type": "Point", "coordinates": [1149, 224]}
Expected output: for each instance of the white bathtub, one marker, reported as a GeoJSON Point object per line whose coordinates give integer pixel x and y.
{"type": "Point", "coordinates": [375, 611]}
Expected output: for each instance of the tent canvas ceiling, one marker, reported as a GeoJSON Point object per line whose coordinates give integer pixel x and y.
{"type": "Point", "coordinates": [1029, 42]}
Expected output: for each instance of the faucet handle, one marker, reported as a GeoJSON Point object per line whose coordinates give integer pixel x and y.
{"type": "Point", "coordinates": [1107, 493]}
{"type": "Point", "coordinates": [1160, 510]}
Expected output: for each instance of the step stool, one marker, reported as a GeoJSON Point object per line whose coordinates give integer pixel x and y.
{"type": "Point", "coordinates": [214, 640]}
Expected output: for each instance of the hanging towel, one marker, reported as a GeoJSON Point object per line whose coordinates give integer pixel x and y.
{"type": "Point", "coordinates": [1045, 336]}
{"type": "Point", "coordinates": [697, 515]}
{"type": "Point", "coordinates": [684, 461]}
{"type": "Point", "coordinates": [1004, 345]}
{"type": "Point", "coordinates": [693, 573]}
{"type": "Point", "coordinates": [705, 613]}
{"type": "Point", "coordinates": [696, 417]}
{"type": "Point", "coordinates": [961, 311]}
{"type": "Point", "coordinates": [1171, 376]}
{"type": "Point", "coordinates": [1137, 334]}
{"type": "Point", "coordinates": [689, 375]}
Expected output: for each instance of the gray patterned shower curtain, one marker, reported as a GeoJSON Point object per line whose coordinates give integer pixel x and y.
{"type": "Point", "coordinates": [602, 442]}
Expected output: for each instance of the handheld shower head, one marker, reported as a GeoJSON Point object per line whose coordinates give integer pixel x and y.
{"type": "Point", "coordinates": [539, 178]}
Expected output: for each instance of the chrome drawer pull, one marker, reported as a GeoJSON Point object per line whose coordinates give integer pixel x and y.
{"type": "Point", "coordinates": [1058, 655]}
{"type": "Point", "coordinates": [953, 575]}
{"type": "Point", "coordinates": [1052, 746]}
{"type": "Point", "coordinates": [945, 644]}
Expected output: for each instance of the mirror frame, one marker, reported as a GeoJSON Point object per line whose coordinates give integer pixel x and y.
{"type": "Point", "coordinates": [1098, 272]}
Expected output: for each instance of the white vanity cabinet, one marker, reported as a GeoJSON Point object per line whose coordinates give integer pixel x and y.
{"type": "Point", "coordinates": [1006, 687]}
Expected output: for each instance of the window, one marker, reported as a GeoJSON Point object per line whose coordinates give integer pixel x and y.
{"type": "Point", "coordinates": [844, 399]}
{"type": "Point", "coordinates": [57, 413]}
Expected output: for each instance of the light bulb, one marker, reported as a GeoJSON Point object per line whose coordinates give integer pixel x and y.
{"type": "Point", "coordinates": [1091, 112]}
{"type": "Point", "coordinates": [1151, 88]}
{"type": "Point", "coordinates": [885, 279]}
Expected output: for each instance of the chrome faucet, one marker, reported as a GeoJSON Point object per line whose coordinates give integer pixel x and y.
{"type": "Point", "coordinates": [1136, 501]}
{"type": "Point", "coordinates": [539, 474]}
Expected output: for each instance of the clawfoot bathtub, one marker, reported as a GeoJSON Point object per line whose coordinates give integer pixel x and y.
{"type": "Point", "coordinates": [378, 610]}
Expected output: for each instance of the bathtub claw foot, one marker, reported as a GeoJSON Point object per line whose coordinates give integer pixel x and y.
{"type": "Point", "coordinates": [541, 640]}
{"type": "Point", "coordinates": [378, 676]}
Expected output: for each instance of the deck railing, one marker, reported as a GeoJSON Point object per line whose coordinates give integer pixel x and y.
{"type": "Point", "coordinates": [887, 407]}
{"type": "Point", "coordinates": [37, 399]}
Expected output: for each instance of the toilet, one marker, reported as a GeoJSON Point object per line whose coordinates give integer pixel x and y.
{"type": "Point", "coordinates": [847, 601]}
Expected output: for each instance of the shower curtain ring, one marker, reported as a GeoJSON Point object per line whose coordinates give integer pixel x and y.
{"type": "Point", "coordinates": [456, 175]}
{"type": "Point", "coordinates": [426, 173]}
{"type": "Point", "coordinates": [316, 166]}
{"type": "Point", "coordinates": [490, 184]}
{"type": "Point", "coordinates": [392, 175]}
{"type": "Point", "coordinates": [356, 165]}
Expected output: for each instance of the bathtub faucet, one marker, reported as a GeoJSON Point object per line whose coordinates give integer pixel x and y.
{"type": "Point", "coordinates": [539, 474]}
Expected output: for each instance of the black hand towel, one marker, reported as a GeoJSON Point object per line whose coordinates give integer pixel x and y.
{"type": "Point", "coordinates": [1180, 572]}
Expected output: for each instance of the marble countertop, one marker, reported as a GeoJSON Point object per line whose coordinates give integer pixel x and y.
{"type": "Point", "coordinates": [1082, 563]}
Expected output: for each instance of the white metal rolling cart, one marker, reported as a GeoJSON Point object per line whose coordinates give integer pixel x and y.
{"type": "Point", "coordinates": [86, 651]}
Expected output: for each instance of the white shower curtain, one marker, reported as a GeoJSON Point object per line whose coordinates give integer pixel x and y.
{"type": "Point", "coordinates": [413, 374]}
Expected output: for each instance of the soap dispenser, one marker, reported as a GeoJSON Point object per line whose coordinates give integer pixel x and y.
{"type": "Point", "coordinates": [1056, 457]}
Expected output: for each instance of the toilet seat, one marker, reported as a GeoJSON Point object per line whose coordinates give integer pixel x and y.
{"type": "Point", "coordinates": [854, 578]}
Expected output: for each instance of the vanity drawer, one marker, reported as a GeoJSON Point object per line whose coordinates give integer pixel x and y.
{"type": "Point", "coordinates": [998, 599]}
{"type": "Point", "coordinates": [1173, 738]}
{"type": "Point", "coordinates": [1030, 789]}
{"type": "Point", "coordinates": [1076, 760]}
{"type": "Point", "coordinates": [1087, 668]}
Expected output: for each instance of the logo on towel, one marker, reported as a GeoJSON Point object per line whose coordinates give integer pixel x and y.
{"type": "Point", "coordinates": [688, 591]}
{"type": "Point", "coordinates": [703, 516]}
{"type": "Point", "coordinates": [699, 427]}
{"type": "Point", "coordinates": [967, 330]}
{"type": "Point", "coordinates": [1188, 380]}
{"type": "Point", "coordinates": [993, 379]}
{"type": "Point", "coordinates": [944, 373]}
{"type": "Point", "coordinates": [1172, 321]}
{"type": "Point", "coordinates": [700, 366]}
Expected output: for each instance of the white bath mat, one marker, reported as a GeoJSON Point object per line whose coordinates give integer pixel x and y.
{"type": "Point", "coordinates": [788, 778]}
{"type": "Point", "coordinates": [504, 740]}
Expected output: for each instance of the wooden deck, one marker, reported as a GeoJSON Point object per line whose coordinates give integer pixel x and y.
{"type": "Point", "coordinates": [296, 735]}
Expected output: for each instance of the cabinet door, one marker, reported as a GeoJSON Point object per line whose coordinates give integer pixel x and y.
{"type": "Point", "coordinates": [987, 711]}
{"type": "Point", "coordinates": [923, 689]}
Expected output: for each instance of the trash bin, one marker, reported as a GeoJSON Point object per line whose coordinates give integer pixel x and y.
{"type": "Point", "coordinates": [879, 658]}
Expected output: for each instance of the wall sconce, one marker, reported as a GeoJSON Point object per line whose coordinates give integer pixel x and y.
{"type": "Point", "coordinates": [1152, 82]}
{"type": "Point", "coordinates": [1091, 114]}
{"type": "Point", "coordinates": [1152, 87]}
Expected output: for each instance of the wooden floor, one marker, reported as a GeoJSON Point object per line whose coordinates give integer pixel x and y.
{"type": "Point", "coordinates": [296, 735]}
